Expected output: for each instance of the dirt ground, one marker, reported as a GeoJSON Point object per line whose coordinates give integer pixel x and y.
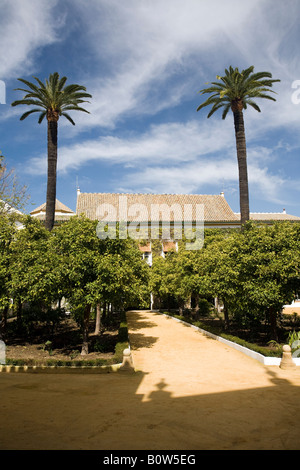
{"type": "Point", "coordinates": [189, 392]}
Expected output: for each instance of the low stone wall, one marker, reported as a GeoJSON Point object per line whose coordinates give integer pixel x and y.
{"type": "Point", "coordinates": [60, 369]}
{"type": "Point", "coordinates": [125, 366]}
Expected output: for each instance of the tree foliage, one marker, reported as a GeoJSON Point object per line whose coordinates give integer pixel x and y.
{"type": "Point", "coordinates": [254, 272]}
{"type": "Point", "coordinates": [237, 90]}
{"type": "Point", "coordinates": [13, 196]}
{"type": "Point", "coordinates": [52, 99]}
{"type": "Point", "coordinates": [7, 233]}
{"type": "Point", "coordinates": [94, 270]}
{"type": "Point", "coordinates": [32, 270]}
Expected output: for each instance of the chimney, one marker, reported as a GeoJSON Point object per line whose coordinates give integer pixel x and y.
{"type": "Point", "coordinates": [284, 212]}
{"type": "Point", "coordinates": [222, 193]}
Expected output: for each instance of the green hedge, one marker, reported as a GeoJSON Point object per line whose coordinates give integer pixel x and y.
{"type": "Point", "coordinates": [122, 339]}
{"type": "Point", "coordinates": [58, 362]}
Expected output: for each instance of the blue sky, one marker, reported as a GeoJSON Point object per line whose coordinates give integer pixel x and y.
{"type": "Point", "coordinates": [144, 62]}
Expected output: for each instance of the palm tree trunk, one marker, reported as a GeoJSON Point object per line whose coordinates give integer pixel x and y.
{"type": "Point", "coordinates": [51, 179]}
{"type": "Point", "coordinates": [242, 164]}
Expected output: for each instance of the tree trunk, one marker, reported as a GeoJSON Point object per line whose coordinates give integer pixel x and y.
{"type": "Point", "coordinates": [98, 319]}
{"type": "Point", "coordinates": [85, 332]}
{"type": "Point", "coordinates": [242, 163]}
{"type": "Point", "coordinates": [51, 178]}
{"type": "Point", "coordinates": [226, 316]}
{"type": "Point", "coordinates": [187, 303]}
{"type": "Point", "coordinates": [197, 302]}
{"type": "Point", "coordinates": [19, 312]}
{"type": "Point", "coordinates": [217, 305]}
{"type": "Point", "coordinates": [104, 313]}
{"type": "Point", "coordinates": [3, 322]}
{"type": "Point", "coordinates": [273, 324]}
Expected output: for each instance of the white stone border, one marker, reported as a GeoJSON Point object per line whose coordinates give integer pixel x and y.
{"type": "Point", "coordinates": [126, 365]}
{"type": "Point", "coordinates": [61, 369]}
{"type": "Point", "coordinates": [267, 361]}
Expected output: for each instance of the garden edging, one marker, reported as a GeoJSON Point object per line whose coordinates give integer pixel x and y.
{"type": "Point", "coordinates": [61, 369]}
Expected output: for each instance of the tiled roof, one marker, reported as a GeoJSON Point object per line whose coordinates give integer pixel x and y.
{"type": "Point", "coordinates": [145, 248]}
{"type": "Point", "coordinates": [270, 216]}
{"type": "Point", "coordinates": [168, 246]}
{"type": "Point", "coordinates": [175, 207]}
{"type": "Point", "coordinates": [59, 207]}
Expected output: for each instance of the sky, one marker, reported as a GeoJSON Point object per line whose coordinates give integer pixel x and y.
{"type": "Point", "coordinates": [144, 63]}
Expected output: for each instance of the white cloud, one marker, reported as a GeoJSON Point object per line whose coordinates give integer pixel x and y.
{"type": "Point", "coordinates": [26, 26]}
{"type": "Point", "coordinates": [174, 158]}
{"type": "Point", "coordinates": [146, 58]}
{"type": "Point", "coordinates": [186, 178]}
{"type": "Point", "coordinates": [203, 175]}
{"type": "Point", "coordinates": [154, 51]}
{"type": "Point", "coordinates": [164, 144]}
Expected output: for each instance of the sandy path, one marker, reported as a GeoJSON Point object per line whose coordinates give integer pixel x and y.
{"type": "Point", "coordinates": [190, 393]}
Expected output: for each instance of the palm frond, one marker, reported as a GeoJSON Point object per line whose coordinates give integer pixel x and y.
{"type": "Point", "coordinates": [53, 95]}
{"type": "Point", "coordinates": [28, 102]}
{"type": "Point", "coordinates": [75, 108]}
{"type": "Point", "coordinates": [32, 86]}
{"type": "Point", "coordinates": [254, 105]}
{"type": "Point", "coordinates": [40, 82]}
{"type": "Point", "coordinates": [238, 86]}
{"type": "Point", "coordinates": [41, 116]}
{"type": "Point", "coordinates": [225, 112]}
{"type": "Point", "coordinates": [24, 116]}
{"type": "Point", "coordinates": [67, 116]}
{"type": "Point", "coordinates": [265, 96]}
{"type": "Point", "coordinates": [215, 108]}
{"type": "Point", "coordinates": [211, 100]}
{"type": "Point", "coordinates": [62, 83]}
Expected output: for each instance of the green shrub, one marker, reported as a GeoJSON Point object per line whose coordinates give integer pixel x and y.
{"type": "Point", "coordinates": [204, 308]}
{"type": "Point", "coordinates": [122, 339]}
{"type": "Point", "coordinates": [294, 341]}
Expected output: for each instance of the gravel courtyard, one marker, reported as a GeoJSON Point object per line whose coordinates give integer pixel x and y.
{"type": "Point", "coordinates": [189, 392]}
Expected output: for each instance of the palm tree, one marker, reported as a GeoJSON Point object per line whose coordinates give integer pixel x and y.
{"type": "Point", "coordinates": [236, 90]}
{"type": "Point", "coordinates": [52, 100]}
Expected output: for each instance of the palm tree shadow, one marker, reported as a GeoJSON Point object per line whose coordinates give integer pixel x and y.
{"type": "Point", "coordinates": [160, 394]}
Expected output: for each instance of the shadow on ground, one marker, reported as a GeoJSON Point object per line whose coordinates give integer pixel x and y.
{"type": "Point", "coordinates": [105, 412]}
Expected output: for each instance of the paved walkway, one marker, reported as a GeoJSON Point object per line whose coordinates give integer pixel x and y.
{"type": "Point", "coordinates": [189, 393]}
{"type": "Point", "coordinates": [216, 397]}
